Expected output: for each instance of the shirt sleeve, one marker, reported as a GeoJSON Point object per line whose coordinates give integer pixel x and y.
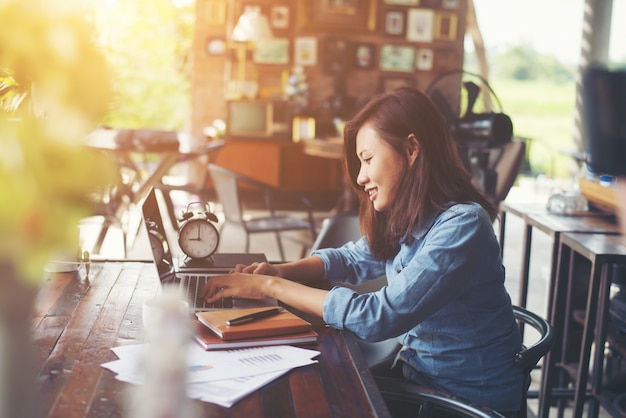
{"type": "Point", "coordinates": [457, 254]}
{"type": "Point", "coordinates": [350, 264]}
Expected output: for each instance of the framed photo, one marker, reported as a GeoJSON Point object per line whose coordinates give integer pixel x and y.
{"type": "Point", "coordinates": [364, 56]}
{"type": "Point", "coordinates": [403, 2]}
{"type": "Point", "coordinates": [305, 51]}
{"type": "Point", "coordinates": [419, 25]}
{"type": "Point", "coordinates": [279, 17]}
{"type": "Point", "coordinates": [394, 23]}
{"type": "Point", "coordinates": [271, 51]}
{"type": "Point", "coordinates": [424, 59]}
{"type": "Point", "coordinates": [397, 58]}
{"type": "Point", "coordinates": [337, 15]}
{"type": "Point", "coordinates": [450, 4]}
{"type": "Point", "coordinates": [302, 128]}
{"type": "Point", "coordinates": [445, 26]}
{"type": "Point", "coordinates": [389, 84]}
{"type": "Point", "coordinates": [335, 55]}
{"type": "Point", "coordinates": [216, 12]}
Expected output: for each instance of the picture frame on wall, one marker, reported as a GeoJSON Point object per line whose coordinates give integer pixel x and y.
{"type": "Point", "coordinates": [335, 55]}
{"type": "Point", "coordinates": [364, 55]}
{"type": "Point", "coordinates": [446, 26]}
{"type": "Point", "coordinates": [305, 51]}
{"type": "Point", "coordinates": [389, 84]}
{"type": "Point", "coordinates": [271, 51]}
{"type": "Point", "coordinates": [279, 16]}
{"type": "Point", "coordinates": [424, 59]}
{"type": "Point", "coordinates": [450, 4]}
{"type": "Point", "coordinates": [403, 2]}
{"type": "Point", "coordinates": [337, 15]}
{"type": "Point", "coordinates": [394, 23]}
{"type": "Point", "coordinates": [215, 12]}
{"type": "Point", "coordinates": [399, 58]}
{"type": "Point", "coordinates": [419, 25]}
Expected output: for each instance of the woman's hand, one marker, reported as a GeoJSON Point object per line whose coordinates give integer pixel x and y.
{"type": "Point", "coordinates": [264, 268]}
{"type": "Point", "coordinates": [245, 285]}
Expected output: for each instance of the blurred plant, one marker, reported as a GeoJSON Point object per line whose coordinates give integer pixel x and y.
{"type": "Point", "coordinates": [54, 89]}
{"type": "Point", "coordinates": [296, 90]}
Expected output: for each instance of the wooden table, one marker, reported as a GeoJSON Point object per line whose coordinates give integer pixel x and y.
{"type": "Point", "coordinates": [537, 216]}
{"type": "Point", "coordinates": [78, 320]}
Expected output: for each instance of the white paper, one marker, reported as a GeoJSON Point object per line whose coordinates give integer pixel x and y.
{"type": "Point", "coordinates": [220, 377]}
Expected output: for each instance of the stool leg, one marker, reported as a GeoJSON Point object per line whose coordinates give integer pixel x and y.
{"type": "Point", "coordinates": [588, 333]}
{"type": "Point", "coordinates": [556, 319]}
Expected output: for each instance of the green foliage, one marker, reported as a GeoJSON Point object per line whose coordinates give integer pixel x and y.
{"type": "Point", "coordinates": [523, 63]}
{"type": "Point", "coordinates": [54, 91]}
{"type": "Point", "coordinates": [147, 44]}
{"type": "Point", "coordinates": [543, 112]}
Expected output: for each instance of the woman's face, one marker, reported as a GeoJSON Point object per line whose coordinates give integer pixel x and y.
{"type": "Point", "coordinates": [381, 167]}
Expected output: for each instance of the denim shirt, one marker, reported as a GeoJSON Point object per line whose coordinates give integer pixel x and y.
{"type": "Point", "coordinates": [445, 302]}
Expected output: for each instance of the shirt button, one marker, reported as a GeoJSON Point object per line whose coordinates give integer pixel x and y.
{"type": "Point", "coordinates": [398, 271]}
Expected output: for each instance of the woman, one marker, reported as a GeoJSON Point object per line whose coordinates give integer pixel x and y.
{"type": "Point", "coordinates": [430, 231]}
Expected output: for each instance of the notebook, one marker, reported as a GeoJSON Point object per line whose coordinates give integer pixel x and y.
{"type": "Point", "coordinates": [210, 341]}
{"type": "Point", "coordinates": [190, 275]}
{"type": "Point", "coordinates": [280, 324]}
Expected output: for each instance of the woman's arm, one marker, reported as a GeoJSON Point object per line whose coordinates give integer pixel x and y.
{"type": "Point", "coordinates": [304, 270]}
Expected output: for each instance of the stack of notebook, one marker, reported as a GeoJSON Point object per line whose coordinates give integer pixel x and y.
{"type": "Point", "coordinates": [213, 332]}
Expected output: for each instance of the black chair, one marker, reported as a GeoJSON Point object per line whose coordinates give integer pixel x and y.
{"type": "Point", "coordinates": [337, 230]}
{"type": "Point", "coordinates": [228, 187]}
{"type": "Point", "coordinates": [407, 399]}
{"type": "Point", "coordinates": [529, 357]}
{"type": "Point", "coordinates": [401, 394]}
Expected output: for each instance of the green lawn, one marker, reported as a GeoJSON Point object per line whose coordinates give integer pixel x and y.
{"type": "Point", "coordinates": [543, 112]}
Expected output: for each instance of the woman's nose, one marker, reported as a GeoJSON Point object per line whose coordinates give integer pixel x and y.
{"type": "Point", "coordinates": [361, 178]}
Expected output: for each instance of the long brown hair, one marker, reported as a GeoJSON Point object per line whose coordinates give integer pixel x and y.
{"type": "Point", "coordinates": [437, 177]}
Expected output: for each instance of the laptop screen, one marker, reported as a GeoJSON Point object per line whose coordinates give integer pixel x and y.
{"type": "Point", "coordinates": [159, 246]}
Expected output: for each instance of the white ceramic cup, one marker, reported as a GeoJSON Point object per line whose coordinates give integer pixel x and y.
{"type": "Point", "coordinates": [154, 310]}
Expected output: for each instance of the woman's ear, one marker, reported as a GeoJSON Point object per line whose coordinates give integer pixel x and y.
{"type": "Point", "coordinates": [412, 149]}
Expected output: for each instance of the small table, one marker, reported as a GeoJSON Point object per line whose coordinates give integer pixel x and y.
{"type": "Point", "coordinates": [79, 319]}
{"type": "Point", "coordinates": [535, 216]}
{"type": "Point", "coordinates": [602, 251]}
{"type": "Point", "coordinates": [166, 148]}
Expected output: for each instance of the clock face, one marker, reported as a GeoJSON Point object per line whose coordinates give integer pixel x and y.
{"type": "Point", "coordinates": [198, 238]}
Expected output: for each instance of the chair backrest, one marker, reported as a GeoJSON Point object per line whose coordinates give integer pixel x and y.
{"type": "Point", "coordinates": [507, 168]}
{"type": "Point", "coordinates": [530, 355]}
{"type": "Point", "coordinates": [337, 230]}
{"type": "Point", "coordinates": [225, 183]}
{"type": "Point", "coordinates": [405, 398]}
{"type": "Point", "coordinates": [528, 358]}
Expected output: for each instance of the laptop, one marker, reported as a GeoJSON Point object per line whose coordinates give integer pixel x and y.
{"type": "Point", "coordinates": [190, 275]}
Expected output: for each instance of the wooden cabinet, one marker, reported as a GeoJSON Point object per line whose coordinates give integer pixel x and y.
{"type": "Point", "coordinates": [282, 164]}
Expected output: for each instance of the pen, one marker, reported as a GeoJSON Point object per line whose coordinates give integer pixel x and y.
{"type": "Point", "coordinates": [254, 316]}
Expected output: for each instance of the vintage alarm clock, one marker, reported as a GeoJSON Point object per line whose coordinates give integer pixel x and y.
{"type": "Point", "coordinates": [197, 235]}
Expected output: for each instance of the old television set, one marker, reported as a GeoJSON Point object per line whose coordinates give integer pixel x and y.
{"type": "Point", "coordinates": [257, 119]}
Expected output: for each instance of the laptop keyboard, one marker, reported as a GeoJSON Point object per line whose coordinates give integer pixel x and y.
{"type": "Point", "coordinates": [192, 285]}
